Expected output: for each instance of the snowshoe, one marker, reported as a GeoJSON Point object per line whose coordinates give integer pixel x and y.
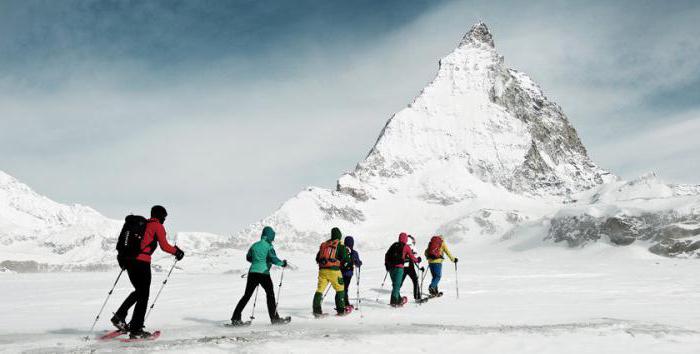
{"type": "Point", "coordinates": [281, 320]}
{"type": "Point", "coordinates": [141, 336]}
{"type": "Point", "coordinates": [434, 293]}
{"type": "Point", "coordinates": [347, 311]}
{"type": "Point", "coordinates": [111, 335]}
{"type": "Point", "coordinates": [438, 294]}
{"type": "Point", "coordinates": [423, 300]}
{"type": "Point", "coordinates": [320, 315]}
{"type": "Point", "coordinates": [120, 324]}
{"type": "Point", "coordinates": [404, 300]}
{"type": "Point", "coordinates": [239, 323]}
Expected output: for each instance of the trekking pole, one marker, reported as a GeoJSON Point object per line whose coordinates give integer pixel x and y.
{"type": "Point", "coordinates": [328, 288]}
{"type": "Point", "coordinates": [359, 271]}
{"type": "Point", "coordinates": [252, 313]}
{"type": "Point", "coordinates": [457, 280]}
{"type": "Point", "coordinates": [103, 305]}
{"type": "Point", "coordinates": [159, 290]}
{"type": "Point", "coordinates": [279, 291]}
{"type": "Point", "coordinates": [383, 281]}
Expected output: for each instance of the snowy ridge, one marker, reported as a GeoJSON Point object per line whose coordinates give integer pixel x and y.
{"type": "Point", "coordinates": [481, 151]}
{"type": "Point", "coordinates": [38, 234]}
{"type": "Point", "coordinates": [664, 217]}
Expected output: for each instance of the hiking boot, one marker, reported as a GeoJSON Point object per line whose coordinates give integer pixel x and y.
{"type": "Point", "coordinates": [281, 320]}
{"type": "Point", "coordinates": [237, 323]}
{"type": "Point", "coordinates": [139, 334]}
{"type": "Point", "coordinates": [433, 291]}
{"type": "Point", "coordinates": [120, 323]}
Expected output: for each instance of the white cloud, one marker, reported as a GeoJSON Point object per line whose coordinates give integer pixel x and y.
{"type": "Point", "coordinates": [669, 149]}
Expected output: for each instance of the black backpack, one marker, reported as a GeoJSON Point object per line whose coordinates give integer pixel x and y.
{"type": "Point", "coordinates": [129, 242]}
{"type": "Point", "coordinates": [394, 255]}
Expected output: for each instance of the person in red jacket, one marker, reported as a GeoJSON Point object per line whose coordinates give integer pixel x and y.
{"type": "Point", "coordinates": [394, 260]}
{"type": "Point", "coordinates": [139, 271]}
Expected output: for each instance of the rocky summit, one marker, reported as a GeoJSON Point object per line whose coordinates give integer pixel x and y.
{"type": "Point", "coordinates": [480, 151]}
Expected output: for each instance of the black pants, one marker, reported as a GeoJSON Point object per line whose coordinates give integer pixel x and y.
{"type": "Point", "coordinates": [255, 279]}
{"type": "Point", "coordinates": [140, 277]}
{"type": "Point", "coordinates": [346, 281]}
{"type": "Point", "coordinates": [410, 271]}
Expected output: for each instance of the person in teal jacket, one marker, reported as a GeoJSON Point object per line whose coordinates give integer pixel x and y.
{"type": "Point", "coordinates": [261, 256]}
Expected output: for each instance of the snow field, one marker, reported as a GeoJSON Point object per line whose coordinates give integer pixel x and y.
{"type": "Point", "coordinates": [600, 299]}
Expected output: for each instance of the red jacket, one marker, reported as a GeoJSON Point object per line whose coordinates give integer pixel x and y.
{"type": "Point", "coordinates": [407, 251]}
{"type": "Point", "coordinates": [155, 234]}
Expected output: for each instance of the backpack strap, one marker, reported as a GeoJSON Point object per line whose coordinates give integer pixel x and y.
{"type": "Point", "coordinates": [153, 244]}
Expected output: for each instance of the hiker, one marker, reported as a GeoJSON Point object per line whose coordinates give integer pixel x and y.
{"type": "Point", "coordinates": [139, 271]}
{"type": "Point", "coordinates": [331, 256]}
{"type": "Point", "coordinates": [348, 269]}
{"type": "Point", "coordinates": [410, 269]}
{"type": "Point", "coordinates": [435, 252]}
{"type": "Point", "coordinates": [261, 256]}
{"type": "Point", "coordinates": [394, 260]}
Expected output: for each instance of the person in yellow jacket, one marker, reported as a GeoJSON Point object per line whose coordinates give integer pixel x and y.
{"type": "Point", "coordinates": [437, 249]}
{"type": "Point", "coordinates": [331, 256]}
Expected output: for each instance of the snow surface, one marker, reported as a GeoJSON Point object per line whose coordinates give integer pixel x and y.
{"type": "Point", "coordinates": [515, 297]}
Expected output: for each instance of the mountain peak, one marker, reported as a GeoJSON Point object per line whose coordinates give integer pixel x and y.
{"type": "Point", "coordinates": [476, 131]}
{"type": "Point", "coordinates": [477, 35]}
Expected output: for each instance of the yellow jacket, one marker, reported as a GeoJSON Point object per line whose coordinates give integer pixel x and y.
{"type": "Point", "coordinates": [443, 250]}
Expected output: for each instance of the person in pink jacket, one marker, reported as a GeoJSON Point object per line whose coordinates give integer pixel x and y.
{"type": "Point", "coordinates": [394, 260]}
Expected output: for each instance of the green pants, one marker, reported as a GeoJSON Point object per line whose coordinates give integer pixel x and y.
{"type": "Point", "coordinates": [396, 279]}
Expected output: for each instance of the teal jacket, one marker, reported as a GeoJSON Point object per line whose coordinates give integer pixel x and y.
{"type": "Point", "coordinates": [261, 254]}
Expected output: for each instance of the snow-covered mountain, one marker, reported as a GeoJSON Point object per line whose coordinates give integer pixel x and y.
{"type": "Point", "coordinates": [480, 151]}
{"type": "Point", "coordinates": [38, 234]}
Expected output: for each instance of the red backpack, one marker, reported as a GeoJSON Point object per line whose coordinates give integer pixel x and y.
{"type": "Point", "coordinates": [326, 256]}
{"type": "Point", "coordinates": [435, 248]}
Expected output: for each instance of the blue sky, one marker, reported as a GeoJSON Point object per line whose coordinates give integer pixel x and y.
{"type": "Point", "coordinates": [221, 110]}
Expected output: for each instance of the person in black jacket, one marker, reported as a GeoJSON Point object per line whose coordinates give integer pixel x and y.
{"type": "Point", "coordinates": [410, 269]}
{"type": "Point", "coordinates": [348, 268]}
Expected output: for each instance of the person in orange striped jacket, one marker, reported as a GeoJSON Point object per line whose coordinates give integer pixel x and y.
{"type": "Point", "coordinates": [331, 256]}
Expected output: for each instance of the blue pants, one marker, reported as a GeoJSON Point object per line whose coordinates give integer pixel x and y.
{"type": "Point", "coordinates": [436, 272]}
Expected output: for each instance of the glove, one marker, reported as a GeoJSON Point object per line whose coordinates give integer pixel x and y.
{"type": "Point", "coordinates": [284, 263]}
{"type": "Point", "coordinates": [456, 260]}
{"type": "Point", "coordinates": [122, 262]}
{"type": "Point", "coordinates": [422, 269]}
{"type": "Point", "coordinates": [178, 253]}
{"type": "Point", "coordinates": [420, 259]}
